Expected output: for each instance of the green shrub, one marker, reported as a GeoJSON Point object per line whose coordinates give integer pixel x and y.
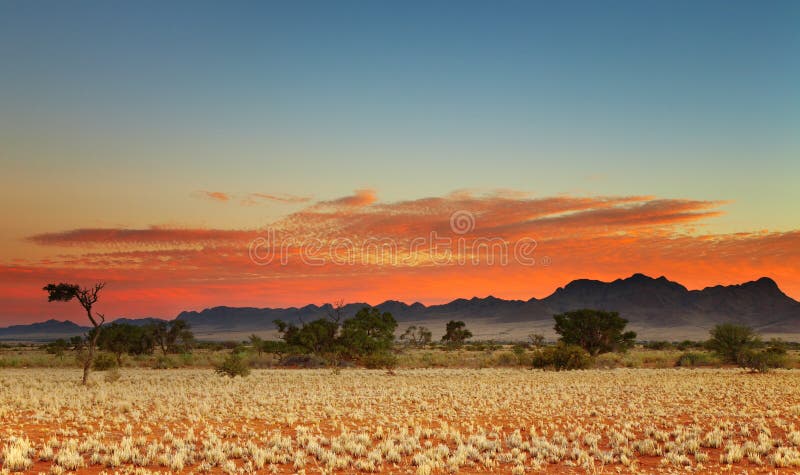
{"type": "Point", "coordinates": [113, 375]}
{"type": "Point", "coordinates": [764, 360]}
{"type": "Point", "coordinates": [164, 362]}
{"type": "Point", "coordinates": [234, 365]}
{"type": "Point", "coordinates": [690, 359]}
{"type": "Point", "coordinates": [731, 341]}
{"type": "Point", "coordinates": [658, 345]}
{"type": "Point", "coordinates": [505, 358]}
{"type": "Point", "coordinates": [104, 361]}
{"type": "Point", "coordinates": [690, 345]}
{"type": "Point", "coordinates": [380, 360]}
{"type": "Point", "coordinates": [562, 357]}
{"type": "Point", "coordinates": [187, 359]}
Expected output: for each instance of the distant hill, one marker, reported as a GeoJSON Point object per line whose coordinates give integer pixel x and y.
{"type": "Point", "coordinates": [656, 307]}
{"type": "Point", "coordinates": [42, 331]}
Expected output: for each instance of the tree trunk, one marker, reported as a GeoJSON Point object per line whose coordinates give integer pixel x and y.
{"type": "Point", "coordinates": [87, 365]}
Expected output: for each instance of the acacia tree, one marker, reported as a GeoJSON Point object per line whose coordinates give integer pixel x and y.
{"type": "Point", "coordinates": [595, 331]}
{"type": "Point", "coordinates": [257, 343]}
{"type": "Point", "coordinates": [87, 297]}
{"type": "Point", "coordinates": [731, 341]}
{"type": "Point", "coordinates": [173, 337]}
{"type": "Point", "coordinates": [456, 333]}
{"type": "Point", "coordinates": [416, 337]}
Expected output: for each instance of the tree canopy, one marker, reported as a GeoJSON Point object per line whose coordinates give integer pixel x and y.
{"type": "Point", "coordinates": [729, 341]}
{"type": "Point", "coordinates": [369, 331]}
{"type": "Point", "coordinates": [456, 333]}
{"type": "Point", "coordinates": [595, 331]}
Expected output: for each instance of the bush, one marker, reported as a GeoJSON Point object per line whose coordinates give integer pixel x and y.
{"type": "Point", "coordinates": [303, 361]}
{"type": "Point", "coordinates": [164, 362]}
{"type": "Point", "coordinates": [234, 365]}
{"type": "Point", "coordinates": [505, 358]}
{"type": "Point", "coordinates": [104, 361]}
{"type": "Point", "coordinates": [658, 345]}
{"type": "Point", "coordinates": [562, 357]}
{"type": "Point", "coordinates": [113, 375]}
{"type": "Point", "coordinates": [690, 345]}
{"type": "Point", "coordinates": [690, 359]}
{"type": "Point", "coordinates": [764, 360]}
{"type": "Point", "coordinates": [731, 341]}
{"type": "Point", "coordinates": [380, 360]}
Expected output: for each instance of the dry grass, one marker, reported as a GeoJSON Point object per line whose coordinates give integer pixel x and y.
{"type": "Point", "coordinates": [417, 421]}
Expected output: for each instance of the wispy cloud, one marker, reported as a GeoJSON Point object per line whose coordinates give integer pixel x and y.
{"type": "Point", "coordinates": [160, 270]}
{"type": "Point", "coordinates": [215, 195]}
{"type": "Point", "coordinates": [154, 235]}
{"type": "Point", "coordinates": [251, 199]}
{"type": "Point", "coordinates": [255, 198]}
{"type": "Point", "coordinates": [359, 198]}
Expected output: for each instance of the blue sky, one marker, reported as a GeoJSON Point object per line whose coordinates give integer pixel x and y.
{"type": "Point", "coordinates": [120, 116]}
{"type": "Point", "coordinates": [679, 99]}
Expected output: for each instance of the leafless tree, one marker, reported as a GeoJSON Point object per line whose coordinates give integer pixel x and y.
{"type": "Point", "coordinates": [536, 340]}
{"type": "Point", "coordinates": [87, 297]}
{"type": "Point", "coordinates": [336, 312]}
{"type": "Point", "coordinates": [416, 337]}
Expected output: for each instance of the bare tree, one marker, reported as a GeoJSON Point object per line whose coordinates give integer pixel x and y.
{"type": "Point", "coordinates": [87, 297]}
{"type": "Point", "coordinates": [336, 312]}
{"type": "Point", "coordinates": [536, 339]}
{"type": "Point", "coordinates": [416, 337]}
{"type": "Point", "coordinates": [335, 315]}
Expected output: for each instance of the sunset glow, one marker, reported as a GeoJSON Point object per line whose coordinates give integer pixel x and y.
{"type": "Point", "coordinates": [147, 152]}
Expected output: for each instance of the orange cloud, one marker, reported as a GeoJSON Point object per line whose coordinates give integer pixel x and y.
{"type": "Point", "coordinates": [359, 198]}
{"type": "Point", "coordinates": [254, 198]}
{"type": "Point", "coordinates": [159, 271]}
{"type": "Point", "coordinates": [216, 195]}
{"type": "Point", "coordinates": [152, 236]}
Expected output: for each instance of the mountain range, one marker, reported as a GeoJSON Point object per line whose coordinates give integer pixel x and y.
{"type": "Point", "coordinates": [656, 308]}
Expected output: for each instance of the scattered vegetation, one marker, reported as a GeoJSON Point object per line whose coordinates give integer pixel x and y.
{"type": "Point", "coordinates": [424, 421]}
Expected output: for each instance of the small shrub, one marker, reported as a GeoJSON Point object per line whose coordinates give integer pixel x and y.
{"type": "Point", "coordinates": [113, 375]}
{"type": "Point", "coordinates": [303, 361]}
{"type": "Point", "coordinates": [731, 341]}
{"type": "Point", "coordinates": [690, 359]}
{"type": "Point", "coordinates": [690, 345]}
{"type": "Point", "coordinates": [104, 361]}
{"type": "Point", "coordinates": [562, 357]}
{"type": "Point", "coordinates": [658, 345]}
{"type": "Point", "coordinates": [234, 365]}
{"type": "Point", "coordinates": [187, 359]}
{"type": "Point", "coordinates": [380, 360]}
{"type": "Point", "coordinates": [500, 358]}
{"type": "Point", "coordinates": [164, 362]}
{"type": "Point", "coordinates": [764, 360]}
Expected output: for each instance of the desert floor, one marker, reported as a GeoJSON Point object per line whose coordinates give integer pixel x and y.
{"type": "Point", "coordinates": [415, 421]}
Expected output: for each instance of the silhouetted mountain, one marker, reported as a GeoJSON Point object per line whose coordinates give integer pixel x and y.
{"type": "Point", "coordinates": [138, 321]}
{"type": "Point", "coordinates": [648, 303]}
{"type": "Point", "coordinates": [644, 301]}
{"type": "Point", "coordinates": [48, 330]}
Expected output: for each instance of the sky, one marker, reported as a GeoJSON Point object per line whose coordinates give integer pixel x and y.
{"type": "Point", "coordinates": [169, 148]}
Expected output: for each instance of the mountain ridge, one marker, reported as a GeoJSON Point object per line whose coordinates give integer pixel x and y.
{"type": "Point", "coordinates": [647, 302]}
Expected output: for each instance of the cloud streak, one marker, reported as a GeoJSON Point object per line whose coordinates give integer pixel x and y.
{"type": "Point", "coordinates": [215, 195]}
{"type": "Point", "coordinates": [251, 199]}
{"type": "Point", "coordinates": [162, 270]}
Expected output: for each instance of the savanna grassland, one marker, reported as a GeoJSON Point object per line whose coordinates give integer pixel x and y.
{"type": "Point", "coordinates": [502, 420]}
